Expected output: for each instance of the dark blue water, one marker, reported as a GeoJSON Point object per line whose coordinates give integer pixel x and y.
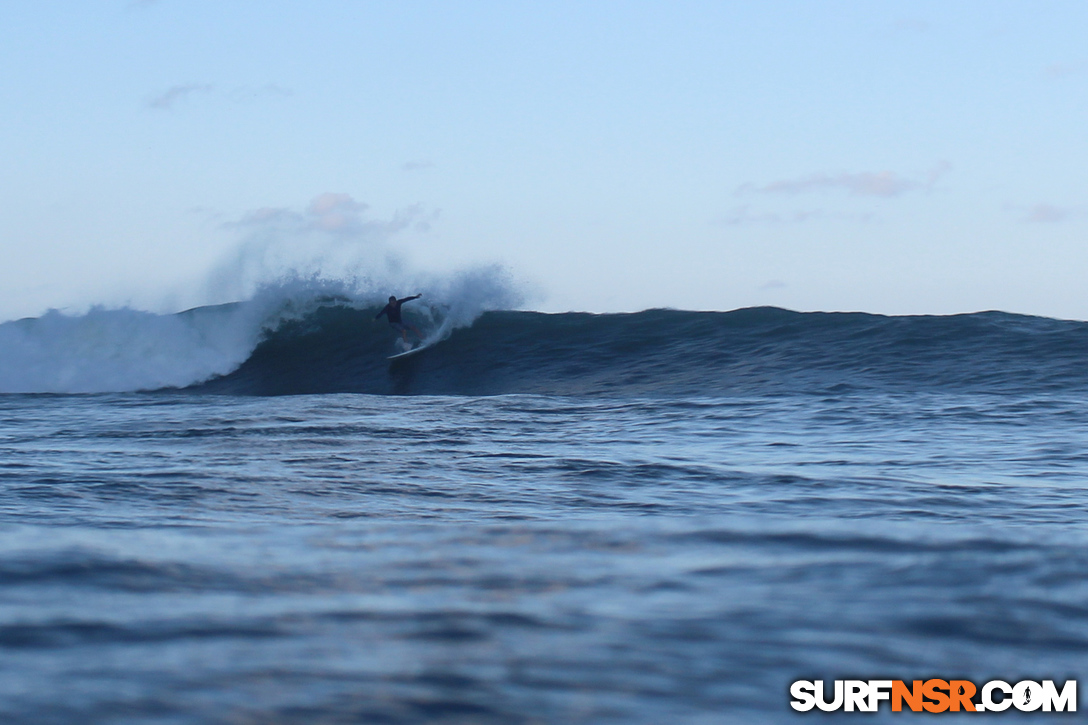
{"type": "Point", "coordinates": [625, 550]}
{"type": "Point", "coordinates": [656, 353]}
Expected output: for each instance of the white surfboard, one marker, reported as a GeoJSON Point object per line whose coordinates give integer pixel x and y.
{"type": "Point", "coordinates": [413, 351]}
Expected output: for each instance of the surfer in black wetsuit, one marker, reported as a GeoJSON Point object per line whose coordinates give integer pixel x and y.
{"type": "Point", "coordinates": [392, 313]}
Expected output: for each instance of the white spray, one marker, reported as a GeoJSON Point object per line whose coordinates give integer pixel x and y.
{"type": "Point", "coordinates": [287, 265]}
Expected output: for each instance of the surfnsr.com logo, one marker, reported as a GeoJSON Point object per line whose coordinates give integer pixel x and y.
{"type": "Point", "coordinates": [935, 696]}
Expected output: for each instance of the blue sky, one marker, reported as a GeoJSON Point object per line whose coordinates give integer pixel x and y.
{"type": "Point", "coordinates": [896, 157]}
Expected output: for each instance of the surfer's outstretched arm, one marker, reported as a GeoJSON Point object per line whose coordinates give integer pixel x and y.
{"type": "Point", "coordinates": [409, 299]}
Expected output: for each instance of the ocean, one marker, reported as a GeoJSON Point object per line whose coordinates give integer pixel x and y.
{"type": "Point", "coordinates": [246, 514]}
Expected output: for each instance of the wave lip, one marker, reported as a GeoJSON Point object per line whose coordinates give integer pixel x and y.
{"type": "Point", "coordinates": [125, 350]}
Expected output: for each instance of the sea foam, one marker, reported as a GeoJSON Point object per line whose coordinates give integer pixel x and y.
{"type": "Point", "coordinates": [124, 350]}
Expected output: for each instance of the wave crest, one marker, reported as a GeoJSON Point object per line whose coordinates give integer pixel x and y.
{"type": "Point", "coordinates": [124, 350]}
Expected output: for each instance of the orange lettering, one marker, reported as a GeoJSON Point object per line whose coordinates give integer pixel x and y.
{"type": "Point", "coordinates": [961, 692]}
{"type": "Point", "coordinates": [932, 690]}
{"type": "Point", "coordinates": [913, 697]}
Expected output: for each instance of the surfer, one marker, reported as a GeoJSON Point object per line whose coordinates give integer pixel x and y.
{"type": "Point", "coordinates": [392, 313]}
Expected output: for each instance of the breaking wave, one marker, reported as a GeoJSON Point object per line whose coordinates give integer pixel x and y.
{"type": "Point", "coordinates": [124, 350]}
{"type": "Point", "coordinates": [314, 336]}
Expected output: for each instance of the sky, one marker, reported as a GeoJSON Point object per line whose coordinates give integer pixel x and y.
{"type": "Point", "coordinates": [895, 157]}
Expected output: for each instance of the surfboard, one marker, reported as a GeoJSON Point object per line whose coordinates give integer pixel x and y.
{"type": "Point", "coordinates": [413, 351]}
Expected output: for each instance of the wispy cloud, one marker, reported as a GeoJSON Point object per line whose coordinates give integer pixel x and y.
{"type": "Point", "coordinates": [1062, 70]}
{"type": "Point", "coordinates": [865, 183]}
{"type": "Point", "coordinates": [172, 95]}
{"type": "Point", "coordinates": [1044, 212]}
{"type": "Point", "coordinates": [1048, 214]}
{"type": "Point", "coordinates": [879, 183]}
{"type": "Point", "coordinates": [336, 214]}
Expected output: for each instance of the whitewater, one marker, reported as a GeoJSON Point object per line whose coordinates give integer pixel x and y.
{"type": "Point", "coordinates": [245, 513]}
{"type": "Point", "coordinates": [125, 350]}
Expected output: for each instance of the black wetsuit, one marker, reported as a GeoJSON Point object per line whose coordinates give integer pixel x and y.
{"type": "Point", "coordinates": [392, 310]}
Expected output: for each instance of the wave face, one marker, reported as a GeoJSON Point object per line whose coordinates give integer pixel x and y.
{"type": "Point", "coordinates": [320, 338]}
{"type": "Point", "coordinates": [751, 351]}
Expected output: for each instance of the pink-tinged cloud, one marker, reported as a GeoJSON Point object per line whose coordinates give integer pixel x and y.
{"type": "Point", "coordinates": [335, 214]}
{"type": "Point", "coordinates": [1047, 213]}
{"type": "Point", "coordinates": [865, 183]}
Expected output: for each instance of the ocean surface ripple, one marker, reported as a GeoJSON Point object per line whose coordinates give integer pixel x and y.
{"type": "Point", "coordinates": [906, 499]}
